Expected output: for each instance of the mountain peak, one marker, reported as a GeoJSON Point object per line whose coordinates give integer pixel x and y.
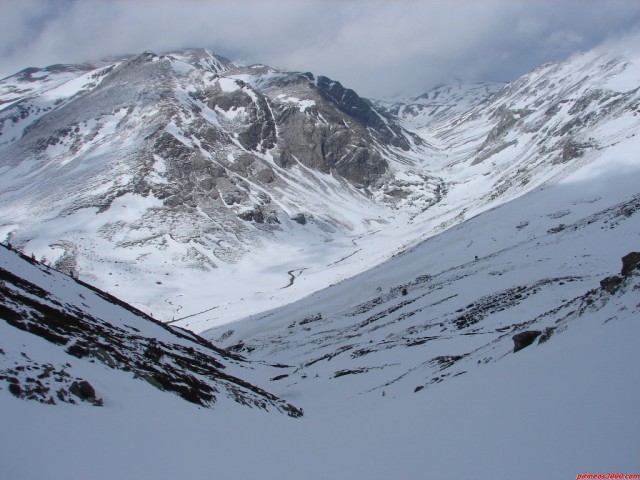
{"type": "Point", "coordinates": [202, 58]}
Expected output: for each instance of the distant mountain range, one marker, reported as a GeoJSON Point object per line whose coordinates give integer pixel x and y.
{"type": "Point", "coordinates": [441, 103]}
{"type": "Point", "coordinates": [447, 285]}
{"type": "Point", "coordinates": [185, 184]}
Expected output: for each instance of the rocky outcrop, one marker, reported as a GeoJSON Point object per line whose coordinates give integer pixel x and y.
{"type": "Point", "coordinates": [611, 284]}
{"type": "Point", "coordinates": [83, 390]}
{"type": "Point", "coordinates": [362, 111]}
{"type": "Point", "coordinates": [138, 347]}
{"type": "Point", "coordinates": [630, 262]}
{"type": "Point", "coordinates": [524, 339]}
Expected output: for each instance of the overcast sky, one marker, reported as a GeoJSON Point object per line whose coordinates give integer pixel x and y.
{"type": "Point", "coordinates": [379, 48]}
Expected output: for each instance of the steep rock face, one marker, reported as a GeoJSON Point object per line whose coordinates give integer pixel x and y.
{"type": "Point", "coordinates": [351, 104]}
{"type": "Point", "coordinates": [322, 141]}
{"type": "Point", "coordinates": [182, 162]}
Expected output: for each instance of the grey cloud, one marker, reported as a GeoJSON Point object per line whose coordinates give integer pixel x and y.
{"type": "Point", "coordinates": [377, 47]}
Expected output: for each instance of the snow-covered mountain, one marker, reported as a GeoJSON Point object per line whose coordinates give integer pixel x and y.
{"type": "Point", "coordinates": [198, 190]}
{"type": "Point", "coordinates": [163, 176]}
{"type": "Point", "coordinates": [409, 367]}
{"type": "Point", "coordinates": [440, 104]}
{"type": "Point", "coordinates": [486, 331]}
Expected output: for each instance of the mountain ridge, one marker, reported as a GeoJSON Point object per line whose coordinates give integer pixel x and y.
{"type": "Point", "coordinates": [221, 163]}
{"type": "Point", "coordinates": [229, 196]}
{"type": "Point", "coordinates": [446, 321]}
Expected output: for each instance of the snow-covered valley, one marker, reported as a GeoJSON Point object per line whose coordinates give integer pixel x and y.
{"type": "Point", "coordinates": [385, 307]}
{"type": "Point", "coordinates": [422, 383]}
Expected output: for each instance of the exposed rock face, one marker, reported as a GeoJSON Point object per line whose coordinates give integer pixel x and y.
{"type": "Point", "coordinates": [328, 146]}
{"type": "Point", "coordinates": [361, 110]}
{"type": "Point", "coordinates": [216, 151]}
{"type": "Point", "coordinates": [124, 340]}
{"type": "Point", "coordinates": [524, 339]}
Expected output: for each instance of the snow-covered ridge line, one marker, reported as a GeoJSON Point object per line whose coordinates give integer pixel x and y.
{"type": "Point", "coordinates": [210, 183]}
{"type": "Point", "coordinates": [199, 169]}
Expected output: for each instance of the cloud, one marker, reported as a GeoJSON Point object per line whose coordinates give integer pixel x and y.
{"type": "Point", "coordinates": [377, 47]}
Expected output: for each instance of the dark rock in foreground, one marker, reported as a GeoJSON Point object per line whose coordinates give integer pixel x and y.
{"type": "Point", "coordinates": [524, 339]}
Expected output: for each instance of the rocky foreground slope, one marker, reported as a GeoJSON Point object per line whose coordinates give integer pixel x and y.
{"type": "Point", "coordinates": [66, 342]}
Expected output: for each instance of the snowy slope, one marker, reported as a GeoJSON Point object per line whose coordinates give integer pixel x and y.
{"type": "Point", "coordinates": [408, 369]}
{"type": "Point", "coordinates": [64, 342]}
{"type": "Point", "coordinates": [440, 104]}
{"type": "Point", "coordinates": [357, 353]}
{"type": "Point", "coordinates": [453, 302]}
{"type": "Point", "coordinates": [418, 353]}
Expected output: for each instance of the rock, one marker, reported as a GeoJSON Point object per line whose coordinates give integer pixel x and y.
{"type": "Point", "coordinates": [83, 390]}
{"type": "Point", "coordinates": [524, 339]}
{"type": "Point", "coordinates": [299, 218]}
{"type": "Point", "coordinates": [272, 219]}
{"type": "Point", "coordinates": [15, 389]}
{"type": "Point", "coordinates": [104, 356]}
{"type": "Point", "coordinates": [254, 215]}
{"type": "Point", "coordinates": [611, 284]}
{"type": "Point", "coordinates": [546, 335]}
{"type": "Point", "coordinates": [629, 263]}
{"type": "Point", "coordinates": [258, 216]}
{"type": "Point", "coordinates": [266, 175]}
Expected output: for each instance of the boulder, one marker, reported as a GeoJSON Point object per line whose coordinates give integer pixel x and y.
{"type": "Point", "coordinates": [299, 218]}
{"type": "Point", "coordinates": [524, 339]}
{"type": "Point", "coordinates": [611, 284]}
{"type": "Point", "coordinates": [83, 390]}
{"type": "Point", "coordinates": [629, 263]}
